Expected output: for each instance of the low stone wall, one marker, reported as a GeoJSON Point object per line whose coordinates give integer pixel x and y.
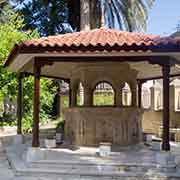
{"type": "Point", "coordinates": [152, 120]}
{"type": "Point", "coordinates": [90, 126]}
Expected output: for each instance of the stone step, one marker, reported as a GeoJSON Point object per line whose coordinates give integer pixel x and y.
{"type": "Point", "coordinates": [37, 175]}
{"type": "Point", "coordinates": [86, 169]}
{"type": "Point", "coordinates": [49, 171]}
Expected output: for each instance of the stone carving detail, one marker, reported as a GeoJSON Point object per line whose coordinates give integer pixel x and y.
{"type": "Point", "coordinates": [90, 126]}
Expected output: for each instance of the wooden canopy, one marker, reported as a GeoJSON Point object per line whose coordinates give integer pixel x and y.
{"type": "Point", "coordinates": [57, 56]}
{"type": "Point", "coordinates": [142, 52]}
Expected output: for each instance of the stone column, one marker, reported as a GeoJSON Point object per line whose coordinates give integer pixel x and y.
{"type": "Point", "coordinates": [73, 97]}
{"type": "Point", "coordinates": [118, 97]}
{"type": "Point", "coordinates": [70, 99]}
{"type": "Point", "coordinates": [152, 98]}
{"type": "Point", "coordinates": [87, 96]}
{"type": "Point", "coordinates": [172, 98]}
{"type": "Point", "coordinates": [139, 94]}
{"type": "Point", "coordinates": [134, 95]}
{"type": "Point", "coordinates": [63, 96]}
{"type": "Point", "coordinates": [73, 93]}
{"type": "Point", "coordinates": [172, 107]}
{"type": "Point", "coordinates": [81, 94]}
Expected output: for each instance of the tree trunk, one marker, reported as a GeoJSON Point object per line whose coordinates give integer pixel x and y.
{"type": "Point", "coordinates": [74, 14]}
{"type": "Point", "coordinates": [85, 14]}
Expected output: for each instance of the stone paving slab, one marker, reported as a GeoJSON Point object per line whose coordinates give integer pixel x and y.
{"type": "Point", "coordinates": [49, 169]}
{"type": "Point", "coordinates": [43, 171]}
{"type": "Point", "coordinates": [6, 173]}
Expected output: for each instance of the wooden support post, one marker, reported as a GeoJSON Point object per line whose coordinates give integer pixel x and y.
{"type": "Point", "coordinates": [20, 103]}
{"type": "Point", "coordinates": [35, 136]}
{"type": "Point", "coordinates": [165, 138]}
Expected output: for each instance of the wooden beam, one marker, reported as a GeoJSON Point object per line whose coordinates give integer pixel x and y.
{"type": "Point", "coordinates": [166, 80]}
{"type": "Point", "coordinates": [36, 105]}
{"type": "Point", "coordinates": [48, 76]}
{"type": "Point", "coordinates": [158, 77]}
{"type": "Point", "coordinates": [150, 59]}
{"type": "Point", "coordinates": [20, 103]}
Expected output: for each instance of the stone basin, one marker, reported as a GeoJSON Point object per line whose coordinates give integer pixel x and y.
{"type": "Point", "coordinates": [89, 126]}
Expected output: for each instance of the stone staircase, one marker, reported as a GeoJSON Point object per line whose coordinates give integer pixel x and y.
{"type": "Point", "coordinates": [65, 171]}
{"type": "Point", "coordinates": [85, 167]}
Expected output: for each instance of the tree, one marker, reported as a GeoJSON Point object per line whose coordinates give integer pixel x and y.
{"type": "Point", "coordinates": [130, 15]}
{"type": "Point", "coordinates": [177, 32]}
{"type": "Point", "coordinates": [10, 33]}
{"type": "Point", "coordinates": [48, 17]}
{"type": "Point", "coordinates": [74, 14]}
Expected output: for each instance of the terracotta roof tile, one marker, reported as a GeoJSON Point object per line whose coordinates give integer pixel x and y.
{"type": "Point", "coordinates": [98, 40]}
{"type": "Point", "coordinates": [102, 37]}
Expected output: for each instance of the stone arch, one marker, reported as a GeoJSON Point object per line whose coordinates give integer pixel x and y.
{"type": "Point", "coordinates": [105, 95]}
{"type": "Point", "coordinates": [104, 79]}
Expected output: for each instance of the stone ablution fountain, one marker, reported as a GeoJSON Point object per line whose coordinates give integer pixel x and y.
{"type": "Point", "coordinates": [89, 125]}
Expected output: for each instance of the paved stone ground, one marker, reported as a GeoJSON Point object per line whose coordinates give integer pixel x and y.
{"type": "Point", "coordinates": [57, 167]}
{"type": "Point", "coordinates": [6, 172]}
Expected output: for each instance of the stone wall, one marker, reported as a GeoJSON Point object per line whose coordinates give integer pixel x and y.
{"type": "Point", "coordinates": [90, 75]}
{"type": "Point", "coordinates": [90, 126]}
{"type": "Point", "coordinates": [152, 117]}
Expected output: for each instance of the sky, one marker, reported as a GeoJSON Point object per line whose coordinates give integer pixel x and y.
{"type": "Point", "coordinates": [164, 17]}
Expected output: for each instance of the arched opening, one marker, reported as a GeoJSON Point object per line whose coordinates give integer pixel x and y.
{"type": "Point", "coordinates": [80, 95]}
{"type": "Point", "coordinates": [103, 94]}
{"type": "Point", "coordinates": [126, 95]}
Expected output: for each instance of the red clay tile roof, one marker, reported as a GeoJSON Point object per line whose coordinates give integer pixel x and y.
{"type": "Point", "coordinates": [97, 40]}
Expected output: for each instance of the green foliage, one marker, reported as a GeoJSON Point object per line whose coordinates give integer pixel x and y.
{"type": "Point", "coordinates": [52, 17]}
{"type": "Point", "coordinates": [48, 17]}
{"type": "Point", "coordinates": [60, 126]}
{"type": "Point", "coordinates": [46, 98]}
{"type": "Point", "coordinates": [130, 15]}
{"type": "Point", "coordinates": [11, 33]}
{"type": "Point", "coordinates": [103, 99]}
{"type": "Point", "coordinates": [65, 100]}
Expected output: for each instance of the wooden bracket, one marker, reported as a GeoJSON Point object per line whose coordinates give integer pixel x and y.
{"type": "Point", "coordinates": [141, 81]}
{"type": "Point", "coordinates": [163, 60]}
{"type": "Point", "coordinates": [39, 63]}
